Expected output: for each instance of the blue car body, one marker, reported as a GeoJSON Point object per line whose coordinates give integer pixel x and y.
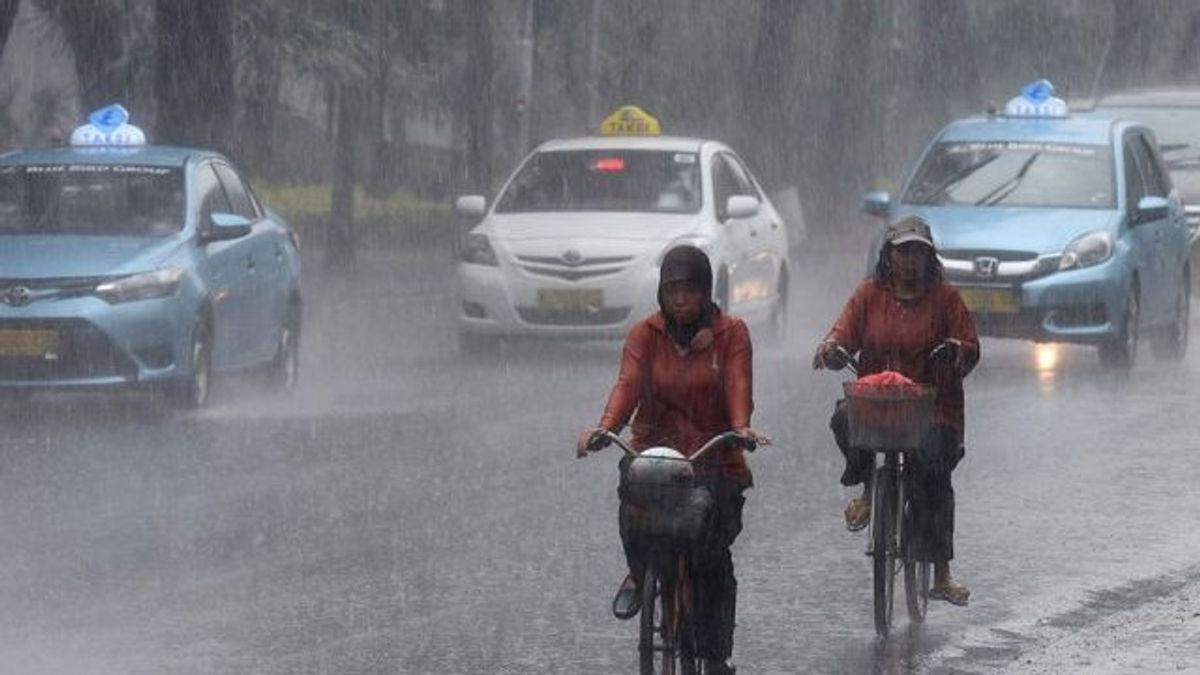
{"type": "Point", "coordinates": [1018, 251]}
{"type": "Point", "coordinates": [97, 307]}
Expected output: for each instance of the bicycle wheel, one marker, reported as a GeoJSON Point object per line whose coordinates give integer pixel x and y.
{"type": "Point", "coordinates": [685, 633]}
{"type": "Point", "coordinates": [658, 602]}
{"type": "Point", "coordinates": [884, 546]}
{"type": "Point", "coordinates": [918, 574]}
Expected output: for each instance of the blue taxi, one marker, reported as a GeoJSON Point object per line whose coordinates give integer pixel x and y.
{"type": "Point", "coordinates": [1056, 228]}
{"type": "Point", "coordinates": [123, 263]}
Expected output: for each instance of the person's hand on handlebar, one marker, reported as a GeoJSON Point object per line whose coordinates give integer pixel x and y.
{"type": "Point", "coordinates": [949, 354]}
{"type": "Point", "coordinates": [751, 438]}
{"type": "Point", "coordinates": [592, 439]}
{"type": "Point", "coordinates": [824, 352]}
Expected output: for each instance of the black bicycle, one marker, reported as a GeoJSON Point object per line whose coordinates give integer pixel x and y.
{"type": "Point", "coordinates": [890, 424]}
{"type": "Point", "coordinates": [666, 510]}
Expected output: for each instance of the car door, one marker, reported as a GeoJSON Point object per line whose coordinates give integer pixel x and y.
{"type": "Point", "coordinates": [1156, 284]}
{"type": "Point", "coordinates": [225, 272]}
{"type": "Point", "coordinates": [736, 233]}
{"type": "Point", "coordinates": [263, 317]}
{"type": "Point", "coordinates": [767, 239]}
{"type": "Point", "coordinates": [1173, 245]}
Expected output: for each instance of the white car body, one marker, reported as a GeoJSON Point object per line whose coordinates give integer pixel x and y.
{"type": "Point", "coordinates": [612, 257]}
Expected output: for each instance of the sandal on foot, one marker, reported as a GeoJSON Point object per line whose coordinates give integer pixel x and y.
{"type": "Point", "coordinates": [950, 592]}
{"type": "Point", "coordinates": [857, 514]}
{"type": "Point", "coordinates": [628, 600]}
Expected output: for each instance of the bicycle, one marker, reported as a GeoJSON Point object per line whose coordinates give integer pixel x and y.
{"type": "Point", "coordinates": [667, 510]}
{"type": "Point", "coordinates": [892, 425]}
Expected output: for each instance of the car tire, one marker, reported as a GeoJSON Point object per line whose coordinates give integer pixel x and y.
{"type": "Point", "coordinates": [193, 391]}
{"type": "Point", "coordinates": [1120, 352]}
{"type": "Point", "coordinates": [1171, 343]}
{"type": "Point", "coordinates": [284, 371]}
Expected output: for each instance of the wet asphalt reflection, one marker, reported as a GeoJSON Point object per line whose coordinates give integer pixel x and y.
{"type": "Point", "coordinates": [412, 511]}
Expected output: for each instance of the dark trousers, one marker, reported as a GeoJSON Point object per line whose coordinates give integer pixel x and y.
{"type": "Point", "coordinates": [714, 585]}
{"type": "Point", "coordinates": [932, 491]}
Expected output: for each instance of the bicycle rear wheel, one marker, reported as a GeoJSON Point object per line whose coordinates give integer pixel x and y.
{"type": "Point", "coordinates": [884, 546]}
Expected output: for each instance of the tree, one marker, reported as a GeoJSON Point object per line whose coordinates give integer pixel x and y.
{"type": "Point", "coordinates": [193, 83]}
{"type": "Point", "coordinates": [93, 31]}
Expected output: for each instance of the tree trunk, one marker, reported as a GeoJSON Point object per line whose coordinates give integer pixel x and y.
{"type": "Point", "coordinates": [340, 240]}
{"type": "Point", "coordinates": [475, 98]}
{"type": "Point", "coordinates": [193, 78]}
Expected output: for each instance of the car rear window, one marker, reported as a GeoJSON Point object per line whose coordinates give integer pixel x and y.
{"type": "Point", "coordinates": [1014, 173]}
{"type": "Point", "coordinates": [91, 199]}
{"type": "Point", "coordinates": [606, 180]}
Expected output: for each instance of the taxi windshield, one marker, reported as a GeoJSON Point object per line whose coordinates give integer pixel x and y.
{"type": "Point", "coordinates": [91, 199]}
{"type": "Point", "coordinates": [1012, 173]}
{"type": "Point", "coordinates": [606, 180]}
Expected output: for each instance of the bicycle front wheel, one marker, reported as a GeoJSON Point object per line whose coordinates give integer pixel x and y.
{"type": "Point", "coordinates": [918, 577]}
{"type": "Point", "coordinates": [883, 517]}
{"type": "Point", "coordinates": [659, 618]}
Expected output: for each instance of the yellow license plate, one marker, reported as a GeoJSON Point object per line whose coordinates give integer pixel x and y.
{"type": "Point", "coordinates": [570, 299]}
{"type": "Point", "coordinates": [990, 300]}
{"type": "Point", "coordinates": [28, 342]}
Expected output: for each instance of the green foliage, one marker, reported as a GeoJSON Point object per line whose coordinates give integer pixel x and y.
{"type": "Point", "coordinates": [398, 220]}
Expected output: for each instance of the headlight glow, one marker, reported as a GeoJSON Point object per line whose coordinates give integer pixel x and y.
{"type": "Point", "coordinates": [477, 250]}
{"type": "Point", "coordinates": [1092, 248]}
{"type": "Point", "coordinates": [157, 284]}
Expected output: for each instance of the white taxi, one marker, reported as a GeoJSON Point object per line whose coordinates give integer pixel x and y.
{"type": "Point", "coordinates": [572, 246]}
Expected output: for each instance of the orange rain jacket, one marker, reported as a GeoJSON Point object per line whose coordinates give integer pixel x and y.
{"type": "Point", "coordinates": [682, 398]}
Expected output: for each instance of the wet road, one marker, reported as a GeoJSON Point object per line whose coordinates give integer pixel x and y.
{"type": "Point", "coordinates": [408, 511]}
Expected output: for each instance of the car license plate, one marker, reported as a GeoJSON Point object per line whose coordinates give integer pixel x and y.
{"type": "Point", "coordinates": [990, 300]}
{"type": "Point", "coordinates": [570, 299]}
{"type": "Point", "coordinates": [28, 342]}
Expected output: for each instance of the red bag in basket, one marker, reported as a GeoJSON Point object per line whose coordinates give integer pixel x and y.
{"type": "Point", "coordinates": [889, 404]}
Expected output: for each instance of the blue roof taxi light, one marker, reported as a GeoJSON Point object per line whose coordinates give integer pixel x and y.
{"type": "Point", "coordinates": [109, 126]}
{"type": "Point", "coordinates": [1037, 99]}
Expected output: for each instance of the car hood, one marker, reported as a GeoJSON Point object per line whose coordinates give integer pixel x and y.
{"type": "Point", "coordinates": [62, 256]}
{"type": "Point", "coordinates": [1042, 231]}
{"type": "Point", "coordinates": [592, 225]}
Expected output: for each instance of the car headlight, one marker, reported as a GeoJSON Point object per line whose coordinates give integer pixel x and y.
{"type": "Point", "coordinates": [1090, 249]}
{"type": "Point", "coordinates": [477, 250]}
{"type": "Point", "coordinates": [157, 284]}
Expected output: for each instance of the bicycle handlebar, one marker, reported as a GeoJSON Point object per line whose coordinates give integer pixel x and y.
{"type": "Point", "coordinates": [727, 437]}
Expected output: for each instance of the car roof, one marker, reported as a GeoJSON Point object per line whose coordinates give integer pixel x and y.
{"type": "Point", "coordinates": [1071, 129]}
{"type": "Point", "coordinates": [1152, 97]}
{"type": "Point", "coordinates": [151, 155]}
{"type": "Point", "coordinates": [667, 143]}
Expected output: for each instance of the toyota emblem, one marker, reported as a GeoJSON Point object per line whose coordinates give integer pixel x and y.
{"type": "Point", "coordinates": [572, 257]}
{"type": "Point", "coordinates": [16, 296]}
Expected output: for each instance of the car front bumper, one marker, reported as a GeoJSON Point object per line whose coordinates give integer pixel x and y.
{"type": "Point", "coordinates": [96, 344]}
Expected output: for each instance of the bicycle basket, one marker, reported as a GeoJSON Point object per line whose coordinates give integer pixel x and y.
{"type": "Point", "coordinates": [884, 418]}
{"type": "Point", "coordinates": [672, 511]}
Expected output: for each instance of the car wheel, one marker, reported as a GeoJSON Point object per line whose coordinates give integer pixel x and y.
{"type": "Point", "coordinates": [1120, 352]}
{"type": "Point", "coordinates": [192, 391]}
{"type": "Point", "coordinates": [1172, 342]}
{"type": "Point", "coordinates": [284, 371]}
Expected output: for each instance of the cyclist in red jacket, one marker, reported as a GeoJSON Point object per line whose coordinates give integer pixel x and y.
{"type": "Point", "coordinates": [895, 320]}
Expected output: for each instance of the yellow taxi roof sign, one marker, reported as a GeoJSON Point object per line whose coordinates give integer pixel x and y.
{"type": "Point", "coordinates": [630, 120]}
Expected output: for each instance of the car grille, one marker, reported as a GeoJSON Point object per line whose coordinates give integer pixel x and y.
{"type": "Point", "coordinates": [55, 288]}
{"type": "Point", "coordinates": [600, 317]}
{"type": "Point", "coordinates": [574, 270]}
{"type": "Point", "coordinates": [972, 254]}
{"type": "Point", "coordinates": [84, 352]}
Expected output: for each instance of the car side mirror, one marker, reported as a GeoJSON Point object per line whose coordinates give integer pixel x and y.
{"type": "Point", "coordinates": [741, 206]}
{"type": "Point", "coordinates": [226, 226]}
{"type": "Point", "coordinates": [1151, 208]}
{"type": "Point", "coordinates": [471, 205]}
{"type": "Point", "coordinates": [878, 204]}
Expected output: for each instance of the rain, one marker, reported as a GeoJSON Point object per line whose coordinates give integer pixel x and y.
{"type": "Point", "coordinates": [411, 502]}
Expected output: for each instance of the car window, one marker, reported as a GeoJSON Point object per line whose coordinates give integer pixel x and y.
{"type": "Point", "coordinates": [725, 183]}
{"type": "Point", "coordinates": [1157, 179]}
{"type": "Point", "coordinates": [656, 181]}
{"type": "Point", "coordinates": [91, 199]}
{"type": "Point", "coordinates": [1135, 184]}
{"type": "Point", "coordinates": [742, 175]}
{"type": "Point", "coordinates": [1014, 173]}
{"type": "Point", "coordinates": [236, 192]}
{"type": "Point", "coordinates": [211, 196]}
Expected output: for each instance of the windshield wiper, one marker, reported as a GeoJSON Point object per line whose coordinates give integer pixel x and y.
{"type": "Point", "coordinates": [1007, 187]}
{"type": "Point", "coordinates": [956, 178]}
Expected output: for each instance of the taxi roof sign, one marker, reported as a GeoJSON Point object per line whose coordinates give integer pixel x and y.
{"type": "Point", "coordinates": [108, 126]}
{"type": "Point", "coordinates": [1036, 100]}
{"type": "Point", "coordinates": [630, 120]}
